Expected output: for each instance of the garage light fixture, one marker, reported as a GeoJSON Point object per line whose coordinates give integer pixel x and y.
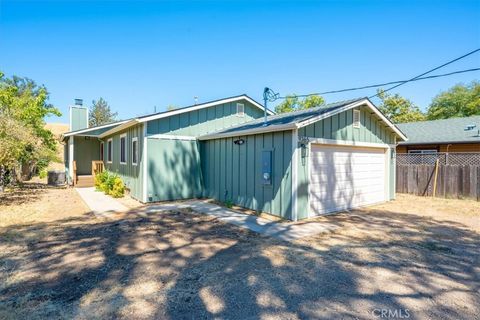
{"type": "Point", "coordinates": [239, 142]}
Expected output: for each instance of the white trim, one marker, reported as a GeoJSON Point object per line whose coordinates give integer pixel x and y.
{"type": "Point", "coordinates": [351, 106]}
{"type": "Point", "coordinates": [242, 114]}
{"type": "Point", "coordinates": [386, 189]}
{"type": "Point", "coordinates": [145, 163]}
{"type": "Point", "coordinates": [72, 133]}
{"type": "Point", "coordinates": [171, 137]}
{"type": "Point", "coordinates": [201, 106]}
{"type": "Point", "coordinates": [109, 151]}
{"type": "Point", "coordinates": [70, 127]}
{"type": "Point", "coordinates": [134, 139]}
{"type": "Point", "coordinates": [121, 127]}
{"type": "Point", "coordinates": [88, 119]}
{"type": "Point", "coordinates": [123, 136]}
{"type": "Point", "coordinates": [348, 143]}
{"type": "Point", "coordinates": [356, 124]}
{"type": "Point", "coordinates": [268, 128]}
{"type": "Point", "coordinates": [294, 174]}
{"type": "Point", "coordinates": [70, 157]}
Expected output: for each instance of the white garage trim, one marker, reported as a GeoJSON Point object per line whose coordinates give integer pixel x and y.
{"type": "Point", "coordinates": [364, 181]}
{"type": "Point", "coordinates": [348, 143]}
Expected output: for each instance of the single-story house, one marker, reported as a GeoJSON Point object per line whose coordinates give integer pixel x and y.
{"type": "Point", "coordinates": [447, 135]}
{"type": "Point", "coordinates": [294, 165]}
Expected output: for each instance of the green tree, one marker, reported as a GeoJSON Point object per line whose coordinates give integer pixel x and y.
{"type": "Point", "coordinates": [459, 101]}
{"type": "Point", "coordinates": [23, 137]}
{"type": "Point", "coordinates": [100, 113]}
{"type": "Point", "coordinates": [314, 101]}
{"type": "Point", "coordinates": [399, 109]}
{"type": "Point", "coordinates": [293, 103]}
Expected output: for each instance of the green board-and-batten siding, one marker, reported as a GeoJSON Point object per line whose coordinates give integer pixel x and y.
{"type": "Point", "coordinates": [132, 175]}
{"type": "Point", "coordinates": [85, 150]}
{"type": "Point", "coordinates": [202, 121]}
{"type": "Point", "coordinates": [233, 173]}
{"type": "Point", "coordinates": [173, 170]}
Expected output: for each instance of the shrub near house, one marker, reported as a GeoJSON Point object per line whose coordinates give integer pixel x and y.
{"type": "Point", "coordinates": [110, 183]}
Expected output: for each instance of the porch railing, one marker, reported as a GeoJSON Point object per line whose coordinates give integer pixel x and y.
{"type": "Point", "coordinates": [74, 172]}
{"type": "Point", "coordinates": [97, 167]}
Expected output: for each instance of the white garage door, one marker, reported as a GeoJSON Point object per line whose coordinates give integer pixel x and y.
{"type": "Point", "coordinates": [345, 177]}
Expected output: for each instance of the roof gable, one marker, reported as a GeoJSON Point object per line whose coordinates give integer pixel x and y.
{"type": "Point", "coordinates": [299, 119]}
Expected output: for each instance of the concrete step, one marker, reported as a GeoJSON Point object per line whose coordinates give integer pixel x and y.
{"type": "Point", "coordinates": [85, 181]}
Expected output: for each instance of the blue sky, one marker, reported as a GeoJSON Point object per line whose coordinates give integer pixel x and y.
{"type": "Point", "coordinates": [138, 55]}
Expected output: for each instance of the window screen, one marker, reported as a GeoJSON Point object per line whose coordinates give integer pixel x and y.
{"type": "Point", "coordinates": [356, 118]}
{"type": "Point", "coordinates": [240, 109]}
{"type": "Point", "coordinates": [134, 150]}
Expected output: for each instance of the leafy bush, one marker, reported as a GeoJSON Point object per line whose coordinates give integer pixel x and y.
{"type": "Point", "coordinates": [110, 183]}
{"type": "Point", "coordinates": [42, 174]}
{"type": "Point", "coordinates": [118, 188]}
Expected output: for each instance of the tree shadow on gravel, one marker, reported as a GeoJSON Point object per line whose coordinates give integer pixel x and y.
{"type": "Point", "coordinates": [183, 265]}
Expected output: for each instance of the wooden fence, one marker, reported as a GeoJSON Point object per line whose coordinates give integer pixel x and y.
{"type": "Point", "coordinates": [452, 181]}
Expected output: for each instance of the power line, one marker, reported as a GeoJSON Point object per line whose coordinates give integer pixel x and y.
{"type": "Point", "coordinates": [429, 71]}
{"type": "Point", "coordinates": [383, 84]}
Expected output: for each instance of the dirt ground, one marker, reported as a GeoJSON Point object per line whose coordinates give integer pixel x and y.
{"type": "Point", "coordinates": [411, 258]}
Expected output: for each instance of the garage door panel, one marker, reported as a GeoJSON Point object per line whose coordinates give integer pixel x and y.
{"type": "Point", "coordinates": [345, 177]}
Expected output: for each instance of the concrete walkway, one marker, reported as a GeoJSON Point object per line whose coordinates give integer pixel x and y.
{"type": "Point", "coordinates": [100, 204]}
{"type": "Point", "coordinates": [287, 231]}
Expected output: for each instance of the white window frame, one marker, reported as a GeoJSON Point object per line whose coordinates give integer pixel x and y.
{"type": "Point", "coordinates": [423, 151]}
{"type": "Point", "coordinates": [110, 151]}
{"type": "Point", "coordinates": [123, 136]}
{"type": "Point", "coordinates": [356, 124]}
{"type": "Point", "coordinates": [241, 106]}
{"type": "Point", "coordinates": [135, 139]}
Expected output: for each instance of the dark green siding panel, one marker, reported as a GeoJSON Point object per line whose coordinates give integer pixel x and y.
{"type": "Point", "coordinates": [203, 121]}
{"type": "Point", "coordinates": [173, 168]}
{"type": "Point", "coordinates": [132, 175]}
{"type": "Point", "coordinates": [238, 169]}
{"type": "Point", "coordinates": [85, 150]}
{"type": "Point", "coordinates": [340, 127]}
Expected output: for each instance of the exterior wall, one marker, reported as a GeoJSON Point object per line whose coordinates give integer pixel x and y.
{"type": "Point", "coordinates": [78, 118]}
{"type": "Point", "coordinates": [132, 175]}
{"type": "Point", "coordinates": [340, 127]}
{"type": "Point", "coordinates": [457, 147]}
{"type": "Point", "coordinates": [85, 150]}
{"type": "Point", "coordinates": [203, 121]}
{"type": "Point", "coordinates": [173, 170]}
{"type": "Point", "coordinates": [233, 172]}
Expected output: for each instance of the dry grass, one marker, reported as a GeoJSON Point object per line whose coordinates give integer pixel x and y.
{"type": "Point", "coordinates": [59, 261]}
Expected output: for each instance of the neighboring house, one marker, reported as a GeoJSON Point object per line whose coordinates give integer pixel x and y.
{"type": "Point", "coordinates": [295, 165]}
{"type": "Point", "coordinates": [447, 135]}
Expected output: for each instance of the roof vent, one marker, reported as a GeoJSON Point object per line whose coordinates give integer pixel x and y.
{"type": "Point", "coordinates": [79, 102]}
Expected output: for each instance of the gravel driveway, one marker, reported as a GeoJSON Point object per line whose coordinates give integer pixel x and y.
{"type": "Point", "coordinates": [182, 265]}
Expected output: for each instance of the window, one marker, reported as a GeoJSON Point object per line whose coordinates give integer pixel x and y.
{"type": "Point", "coordinates": [356, 118]}
{"type": "Point", "coordinates": [101, 151]}
{"type": "Point", "coordinates": [427, 151]}
{"type": "Point", "coordinates": [123, 149]}
{"type": "Point", "coordinates": [240, 109]}
{"type": "Point", "coordinates": [134, 151]}
{"type": "Point", "coordinates": [109, 150]}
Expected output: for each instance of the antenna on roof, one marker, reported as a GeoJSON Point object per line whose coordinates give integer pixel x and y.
{"type": "Point", "coordinates": [195, 99]}
{"type": "Point", "coordinates": [268, 95]}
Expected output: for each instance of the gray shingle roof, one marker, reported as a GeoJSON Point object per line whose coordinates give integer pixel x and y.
{"type": "Point", "coordinates": [441, 131]}
{"type": "Point", "coordinates": [282, 119]}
